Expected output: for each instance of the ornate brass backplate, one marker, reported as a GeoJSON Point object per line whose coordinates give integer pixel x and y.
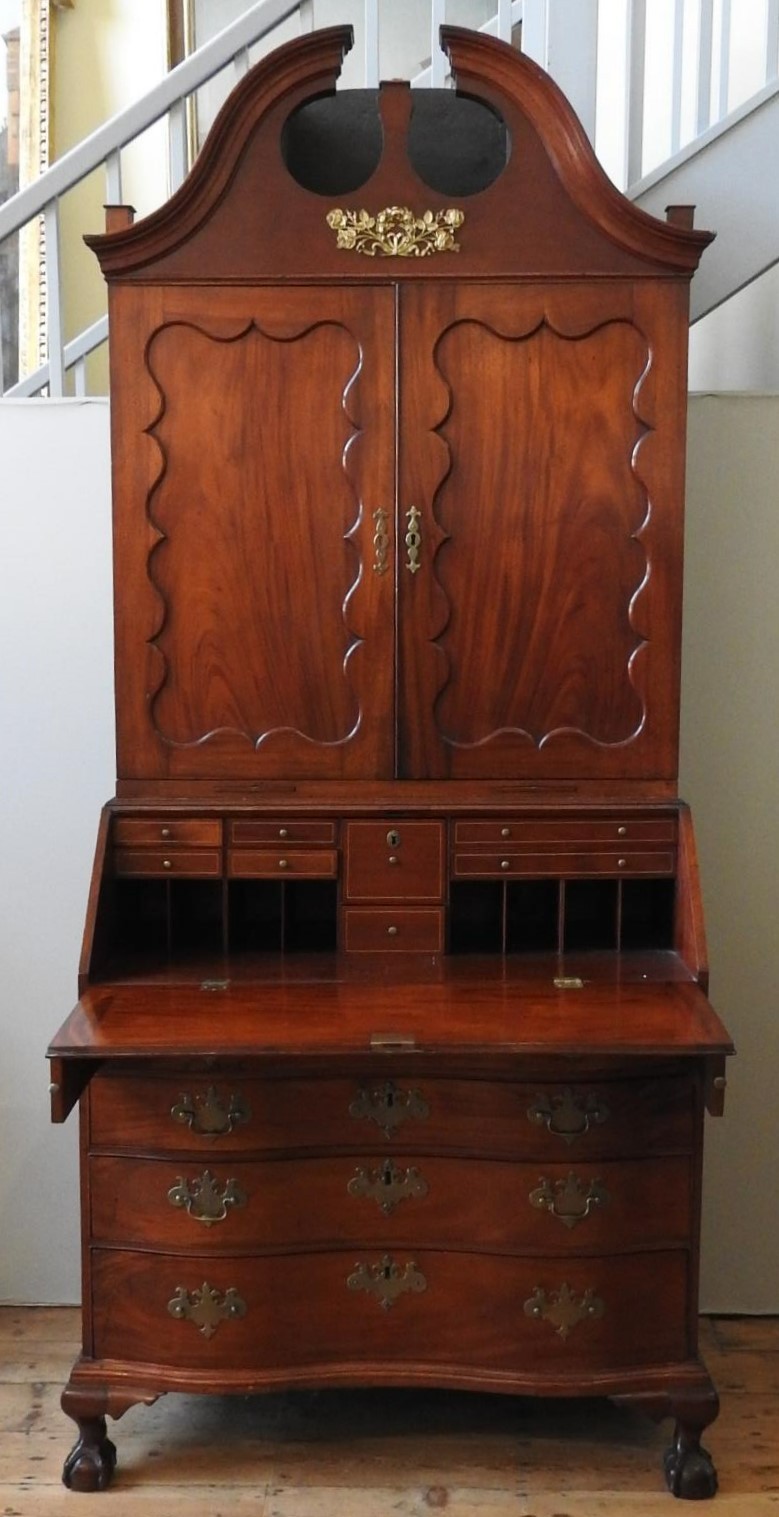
{"type": "Point", "coordinates": [567, 1115]}
{"type": "Point", "coordinates": [204, 1199]}
{"type": "Point", "coordinates": [562, 1309]}
{"type": "Point", "coordinates": [389, 1107]}
{"type": "Point", "coordinates": [571, 1199]}
{"type": "Point", "coordinates": [387, 1185]}
{"type": "Point", "coordinates": [380, 541]}
{"type": "Point", "coordinates": [396, 232]}
{"type": "Point", "coordinates": [205, 1307]}
{"type": "Point", "coordinates": [386, 1280]}
{"type": "Point", "coordinates": [413, 540]}
{"type": "Point", "coordinates": [209, 1114]}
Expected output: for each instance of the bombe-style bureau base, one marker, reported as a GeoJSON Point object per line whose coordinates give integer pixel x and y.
{"type": "Point", "coordinates": [393, 1046]}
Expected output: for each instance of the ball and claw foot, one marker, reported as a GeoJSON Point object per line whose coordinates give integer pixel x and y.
{"type": "Point", "coordinates": [90, 1464]}
{"type": "Point", "coordinates": [689, 1469]}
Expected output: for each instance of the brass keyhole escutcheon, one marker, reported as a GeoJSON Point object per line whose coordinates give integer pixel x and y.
{"type": "Point", "coordinates": [393, 838]}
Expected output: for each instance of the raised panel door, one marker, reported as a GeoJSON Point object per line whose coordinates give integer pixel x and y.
{"type": "Point", "coordinates": [254, 635]}
{"type": "Point", "coordinates": [538, 605]}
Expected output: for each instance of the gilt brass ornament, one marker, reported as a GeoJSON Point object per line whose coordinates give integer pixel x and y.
{"type": "Point", "coordinates": [380, 541]}
{"type": "Point", "coordinates": [389, 1107]}
{"type": "Point", "coordinates": [562, 1309]}
{"type": "Point", "coordinates": [386, 1280]}
{"type": "Point", "coordinates": [205, 1307]}
{"type": "Point", "coordinates": [570, 1200]}
{"type": "Point", "coordinates": [204, 1199]}
{"type": "Point", "coordinates": [209, 1115]}
{"type": "Point", "coordinates": [413, 540]}
{"type": "Point", "coordinates": [387, 1185]}
{"type": "Point", "coordinates": [396, 232]}
{"type": "Point", "coordinates": [567, 1115]}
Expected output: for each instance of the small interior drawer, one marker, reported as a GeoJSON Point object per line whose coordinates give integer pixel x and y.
{"type": "Point", "coordinates": [189, 832]}
{"type": "Point", "coordinates": [573, 832]}
{"type": "Point", "coordinates": [272, 863]}
{"type": "Point", "coordinates": [168, 862]}
{"type": "Point", "coordinates": [563, 865]}
{"type": "Point", "coordinates": [415, 930]}
{"type": "Point", "coordinates": [281, 831]}
{"type": "Point", "coordinates": [394, 861]}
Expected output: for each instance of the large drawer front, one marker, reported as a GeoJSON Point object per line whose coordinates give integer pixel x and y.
{"type": "Point", "coordinates": [216, 1113]}
{"type": "Point", "coordinates": [418, 1201]}
{"type": "Point", "coordinates": [394, 861]}
{"type": "Point", "coordinates": [288, 1312]}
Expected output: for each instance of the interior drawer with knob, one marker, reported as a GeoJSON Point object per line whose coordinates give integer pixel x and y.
{"type": "Point", "coordinates": [244, 833]}
{"type": "Point", "coordinates": [489, 866]}
{"type": "Point", "coordinates": [574, 831]}
{"type": "Point", "coordinates": [270, 863]}
{"type": "Point", "coordinates": [368, 930]}
{"type": "Point", "coordinates": [201, 863]}
{"type": "Point", "coordinates": [388, 861]}
{"type": "Point", "coordinates": [181, 832]}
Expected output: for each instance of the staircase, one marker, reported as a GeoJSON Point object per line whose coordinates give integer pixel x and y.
{"type": "Point", "coordinates": [680, 98]}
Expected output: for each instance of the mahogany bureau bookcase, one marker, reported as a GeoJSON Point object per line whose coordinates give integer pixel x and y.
{"type": "Point", "coordinates": [393, 1046]}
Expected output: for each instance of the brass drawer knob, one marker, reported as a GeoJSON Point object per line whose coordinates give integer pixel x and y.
{"type": "Point", "coordinates": [621, 832]}
{"type": "Point", "coordinates": [505, 832]}
{"type": "Point", "coordinates": [283, 863]}
{"type": "Point", "coordinates": [283, 832]}
{"type": "Point", "coordinates": [165, 832]}
{"type": "Point", "coordinates": [393, 859]}
{"type": "Point", "coordinates": [505, 863]}
{"type": "Point", "coordinates": [621, 863]}
{"type": "Point", "coordinates": [166, 864]}
{"type": "Point", "coordinates": [392, 932]}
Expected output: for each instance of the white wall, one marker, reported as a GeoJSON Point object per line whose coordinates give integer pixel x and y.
{"type": "Point", "coordinates": [57, 768]}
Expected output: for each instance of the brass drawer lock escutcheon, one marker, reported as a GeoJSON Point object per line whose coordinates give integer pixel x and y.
{"type": "Point", "coordinates": [389, 1107]}
{"type": "Point", "coordinates": [570, 1200]}
{"type": "Point", "coordinates": [386, 1280]}
{"type": "Point", "coordinates": [204, 1199]}
{"type": "Point", "coordinates": [396, 232]}
{"type": "Point", "coordinates": [209, 1115]}
{"type": "Point", "coordinates": [562, 1309]}
{"type": "Point", "coordinates": [387, 1185]}
{"type": "Point", "coordinates": [567, 1115]}
{"type": "Point", "coordinates": [205, 1307]}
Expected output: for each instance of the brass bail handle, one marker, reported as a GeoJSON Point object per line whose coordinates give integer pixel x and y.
{"type": "Point", "coordinates": [413, 540]}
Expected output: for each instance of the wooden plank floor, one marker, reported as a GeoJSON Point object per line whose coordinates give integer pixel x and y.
{"type": "Point", "coordinates": [380, 1453]}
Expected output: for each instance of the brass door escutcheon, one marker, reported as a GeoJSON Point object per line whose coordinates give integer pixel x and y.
{"type": "Point", "coordinates": [380, 541]}
{"type": "Point", "coordinates": [562, 1309]}
{"type": "Point", "coordinates": [386, 1280]}
{"type": "Point", "coordinates": [413, 540]}
{"type": "Point", "coordinates": [567, 1115]}
{"type": "Point", "coordinates": [205, 1307]}
{"type": "Point", "coordinates": [387, 1185]}
{"type": "Point", "coordinates": [204, 1199]}
{"type": "Point", "coordinates": [388, 1106]}
{"type": "Point", "coordinates": [209, 1115]}
{"type": "Point", "coordinates": [570, 1200]}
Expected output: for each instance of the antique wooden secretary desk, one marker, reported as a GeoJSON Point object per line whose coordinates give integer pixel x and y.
{"type": "Point", "coordinates": [393, 1045]}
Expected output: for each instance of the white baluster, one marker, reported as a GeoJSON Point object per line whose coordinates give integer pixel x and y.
{"type": "Point", "coordinates": [504, 20]}
{"type": "Point", "coordinates": [113, 179]}
{"type": "Point", "coordinates": [438, 61]}
{"type": "Point", "coordinates": [241, 64]}
{"type": "Point", "coordinates": [676, 76]}
{"type": "Point", "coordinates": [177, 144]}
{"type": "Point", "coordinates": [705, 42]}
{"type": "Point", "coordinates": [772, 40]}
{"type": "Point", "coordinates": [54, 299]}
{"type": "Point", "coordinates": [634, 84]}
{"type": "Point", "coordinates": [535, 26]}
{"type": "Point", "coordinates": [724, 61]}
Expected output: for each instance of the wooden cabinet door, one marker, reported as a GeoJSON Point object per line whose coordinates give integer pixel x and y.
{"type": "Point", "coordinates": [539, 591]}
{"type": "Point", "coordinates": [254, 611]}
